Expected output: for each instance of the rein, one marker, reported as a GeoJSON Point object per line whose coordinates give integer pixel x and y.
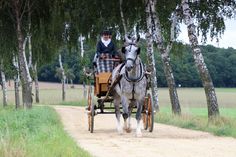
{"type": "Point", "coordinates": [139, 78]}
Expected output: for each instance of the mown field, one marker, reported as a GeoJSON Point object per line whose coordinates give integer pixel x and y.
{"type": "Point", "coordinates": [50, 93]}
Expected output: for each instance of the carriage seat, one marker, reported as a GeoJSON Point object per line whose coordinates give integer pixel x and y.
{"type": "Point", "coordinates": [102, 81]}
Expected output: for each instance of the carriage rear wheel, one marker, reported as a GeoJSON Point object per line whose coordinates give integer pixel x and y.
{"type": "Point", "coordinates": [148, 115]}
{"type": "Point", "coordinates": [144, 115]}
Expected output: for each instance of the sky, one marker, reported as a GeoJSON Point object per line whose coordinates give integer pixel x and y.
{"type": "Point", "coordinates": [228, 39]}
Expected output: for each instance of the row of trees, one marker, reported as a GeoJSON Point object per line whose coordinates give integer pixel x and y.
{"type": "Point", "coordinates": [51, 26]}
{"type": "Point", "coordinates": [221, 64]}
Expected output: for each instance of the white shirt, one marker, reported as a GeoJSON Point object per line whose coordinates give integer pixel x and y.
{"type": "Point", "coordinates": [106, 43]}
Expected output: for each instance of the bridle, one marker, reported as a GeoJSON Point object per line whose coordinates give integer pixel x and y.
{"type": "Point", "coordinates": [141, 74]}
{"type": "Point", "coordinates": [131, 59]}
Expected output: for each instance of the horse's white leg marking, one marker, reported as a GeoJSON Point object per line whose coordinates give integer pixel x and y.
{"type": "Point", "coordinates": [138, 118]}
{"type": "Point", "coordinates": [117, 111]}
{"type": "Point", "coordinates": [125, 106]}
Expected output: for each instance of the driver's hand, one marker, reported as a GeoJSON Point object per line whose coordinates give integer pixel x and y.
{"type": "Point", "coordinates": [117, 57]}
{"type": "Point", "coordinates": [103, 56]}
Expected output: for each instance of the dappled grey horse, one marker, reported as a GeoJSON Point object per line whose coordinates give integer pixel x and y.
{"type": "Point", "coordinates": [131, 89]}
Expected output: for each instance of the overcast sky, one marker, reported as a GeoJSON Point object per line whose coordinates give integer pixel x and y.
{"type": "Point", "coordinates": [228, 39]}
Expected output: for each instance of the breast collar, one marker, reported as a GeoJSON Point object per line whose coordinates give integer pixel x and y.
{"type": "Point", "coordinates": [135, 80]}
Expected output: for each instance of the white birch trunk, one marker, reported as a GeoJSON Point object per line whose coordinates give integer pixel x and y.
{"type": "Point", "coordinates": [212, 104]}
{"type": "Point", "coordinates": [26, 80]}
{"type": "Point", "coordinates": [63, 79]}
{"type": "Point", "coordinates": [154, 25]}
{"type": "Point", "coordinates": [16, 82]}
{"type": "Point", "coordinates": [152, 67]}
{"type": "Point", "coordinates": [122, 17]}
{"type": "Point", "coordinates": [4, 85]}
{"type": "Point", "coordinates": [30, 52]}
{"type": "Point", "coordinates": [82, 45]}
{"type": "Point", "coordinates": [36, 82]}
{"type": "Point", "coordinates": [85, 90]}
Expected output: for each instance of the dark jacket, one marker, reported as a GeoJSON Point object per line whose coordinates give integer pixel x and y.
{"type": "Point", "coordinates": [101, 48]}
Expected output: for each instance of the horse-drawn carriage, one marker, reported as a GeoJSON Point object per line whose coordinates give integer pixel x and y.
{"type": "Point", "coordinates": [127, 86]}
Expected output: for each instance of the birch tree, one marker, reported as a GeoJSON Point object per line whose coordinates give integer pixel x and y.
{"type": "Point", "coordinates": [16, 82]}
{"type": "Point", "coordinates": [123, 18]}
{"type": "Point", "coordinates": [36, 82]}
{"type": "Point", "coordinates": [154, 28]}
{"type": "Point", "coordinates": [63, 78]}
{"type": "Point", "coordinates": [4, 84]}
{"type": "Point", "coordinates": [212, 104]}
{"type": "Point", "coordinates": [26, 79]}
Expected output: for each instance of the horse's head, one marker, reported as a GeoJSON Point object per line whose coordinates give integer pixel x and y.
{"type": "Point", "coordinates": [131, 52]}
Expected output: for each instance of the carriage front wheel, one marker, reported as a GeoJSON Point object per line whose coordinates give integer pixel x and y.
{"type": "Point", "coordinates": [148, 114]}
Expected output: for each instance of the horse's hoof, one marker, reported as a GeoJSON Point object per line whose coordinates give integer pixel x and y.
{"type": "Point", "coordinates": [128, 130]}
{"type": "Point", "coordinates": [120, 131]}
{"type": "Point", "coordinates": [139, 134]}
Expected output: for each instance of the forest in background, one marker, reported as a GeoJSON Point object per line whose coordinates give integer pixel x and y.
{"type": "Point", "coordinates": [220, 61]}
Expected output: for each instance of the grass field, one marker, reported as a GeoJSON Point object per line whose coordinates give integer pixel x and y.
{"type": "Point", "coordinates": [33, 133]}
{"type": "Point", "coordinates": [192, 100]}
{"type": "Point", "coordinates": [189, 97]}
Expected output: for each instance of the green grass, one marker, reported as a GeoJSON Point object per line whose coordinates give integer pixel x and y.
{"type": "Point", "coordinates": [82, 102]}
{"type": "Point", "coordinates": [196, 118]}
{"type": "Point", "coordinates": [37, 132]}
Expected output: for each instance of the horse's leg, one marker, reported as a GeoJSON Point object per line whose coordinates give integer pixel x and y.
{"type": "Point", "coordinates": [138, 118]}
{"type": "Point", "coordinates": [129, 117]}
{"type": "Point", "coordinates": [117, 111]}
{"type": "Point", "coordinates": [125, 106]}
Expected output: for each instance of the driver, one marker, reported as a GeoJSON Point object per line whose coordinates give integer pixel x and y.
{"type": "Point", "coordinates": [105, 50]}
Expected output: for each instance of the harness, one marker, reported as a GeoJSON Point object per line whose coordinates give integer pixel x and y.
{"type": "Point", "coordinates": [133, 80]}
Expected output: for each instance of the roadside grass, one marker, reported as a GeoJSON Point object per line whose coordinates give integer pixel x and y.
{"type": "Point", "coordinates": [33, 133]}
{"type": "Point", "coordinates": [196, 119]}
{"type": "Point", "coordinates": [82, 102]}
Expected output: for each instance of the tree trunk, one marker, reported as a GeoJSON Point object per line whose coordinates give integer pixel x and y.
{"type": "Point", "coordinates": [81, 45]}
{"type": "Point", "coordinates": [154, 25]}
{"type": "Point", "coordinates": [63, 79]}
{"type": "Point", "coordinates": [122, 17]}
{"type": "Point", "coordinates": [4, 85]}
{"type": "Point", "coordinates": [30, 51]}
{"type": "Point", "coordinates": [152, 68]}
{"type": "Point", "coordinates": [212, 104]}
{"type": "Point", "coordinates": [26, 80]}
{"type": "Point", "coordinates": [35, 72]}
{"type": "Point", "coordinates": [16, 83]}
{"type": "Point", "coordinates": [29, 37]}
{"type": "Point", "coordinates": [85, 90]}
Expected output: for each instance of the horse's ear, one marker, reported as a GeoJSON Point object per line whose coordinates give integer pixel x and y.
{"type": "Point", "coordinates": [123, 49]}
{"type": "Point", "coordinates": [138, 51]}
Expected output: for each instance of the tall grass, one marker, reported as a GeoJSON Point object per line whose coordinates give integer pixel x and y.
{"type": "Point", "coordinates": [196, 118]}
{"type": "Point", "coordinates": [35, 133]}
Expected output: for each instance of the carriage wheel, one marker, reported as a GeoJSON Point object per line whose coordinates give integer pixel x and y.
{"type": "Point", "coordinates": [150, 113]}
{"type": "Point", "coordinates": [144, 115]}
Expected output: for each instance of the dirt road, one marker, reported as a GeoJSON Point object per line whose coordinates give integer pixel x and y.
{"type": "Point", "coordinates": [165, 141]}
